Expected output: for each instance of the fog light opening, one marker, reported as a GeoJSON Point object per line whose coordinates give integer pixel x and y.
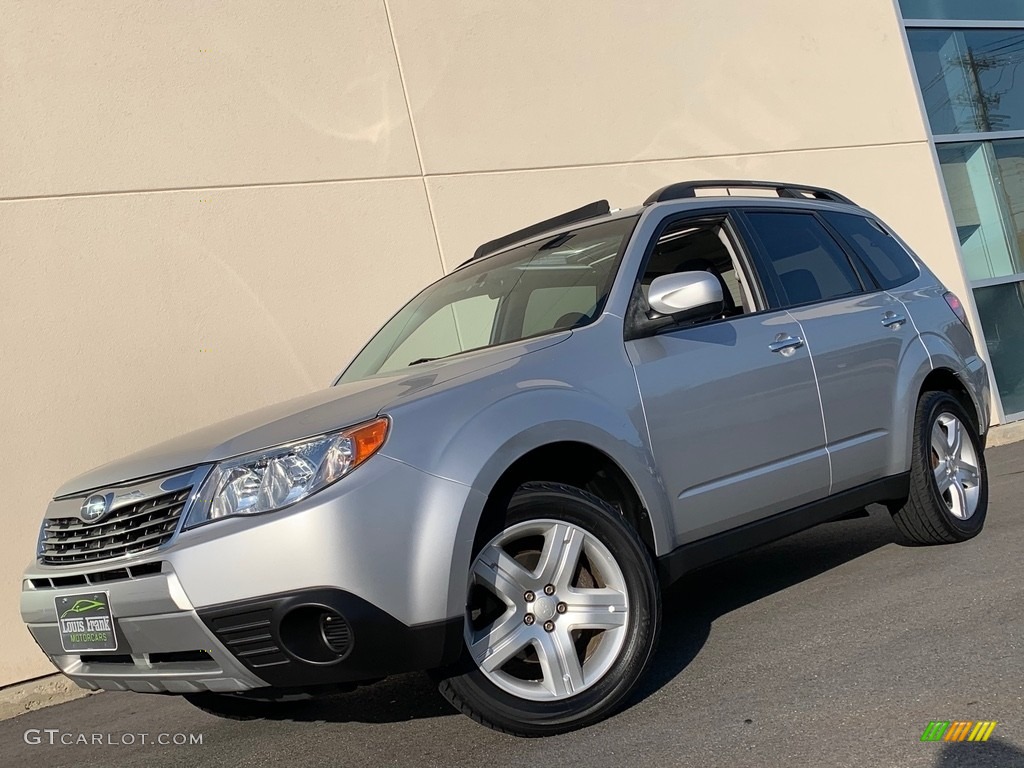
{"type": "Point", "coordinates": [316, 634]}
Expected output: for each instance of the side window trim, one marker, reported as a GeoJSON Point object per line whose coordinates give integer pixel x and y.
{"type": "Point", "coordinates": [746, 278]}
{"type": "Point", "coordinates": [767, 271]}
{"type": "Point", "coordinates": [770, 289]}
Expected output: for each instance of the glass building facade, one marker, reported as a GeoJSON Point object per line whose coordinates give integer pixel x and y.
{"type": "Point", "coordinates": [969, 58]}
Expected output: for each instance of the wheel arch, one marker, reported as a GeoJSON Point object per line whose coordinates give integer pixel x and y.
{"type": "Point", "coordinates": [948, 372]}
{"type": "Point", "coordinates": [946, 380]}
{"type": "Point", "coordinates": [939, 379]}
{"type": "Point", "coordinates": [932, 365]}
{"type": "Point", "coordinates": [579, 464]}
{"type": "Point", "coordinates": [544, 447]}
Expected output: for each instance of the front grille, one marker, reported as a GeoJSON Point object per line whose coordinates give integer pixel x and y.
{"type": "Point", "coordinates": [98, 577]}
{"type": "Point", "coordinates": [134, 528]}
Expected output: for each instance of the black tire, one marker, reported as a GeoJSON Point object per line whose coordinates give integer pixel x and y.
{"type": "Point", "coordinates": [264, 704]}
{"type": "Point", "coordinates": [926, 518]}
{"type": "Point", "coordinates": [467, 688]}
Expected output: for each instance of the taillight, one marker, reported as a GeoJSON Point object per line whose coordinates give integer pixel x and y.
{"type": "Point", "coordinates": [958, 308]}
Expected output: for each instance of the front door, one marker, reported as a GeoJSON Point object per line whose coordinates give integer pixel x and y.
{"type": "Point", "coordinates": [731, 404]}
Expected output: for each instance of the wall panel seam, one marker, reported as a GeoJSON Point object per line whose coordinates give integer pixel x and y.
{"type": "Point", "coordinates": [415, 135]}
{"type": "Point", "coordinates": [454, 174]}
{"type": "Point", "coordinates": [657, 160]}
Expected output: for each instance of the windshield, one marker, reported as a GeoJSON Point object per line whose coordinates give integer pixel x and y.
{"type": "Point", "coordinates": [551, 284]}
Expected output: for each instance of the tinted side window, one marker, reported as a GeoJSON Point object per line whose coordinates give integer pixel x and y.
{"type": "Point", "coordinates": [809, 263]}
{"type": "Point", "coordinates": [885, 258]}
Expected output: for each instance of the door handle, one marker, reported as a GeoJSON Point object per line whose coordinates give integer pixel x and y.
{"type": "Point", "coordinates": [892, 320]}
{"type": "Point", "coordinates": [786, 344]}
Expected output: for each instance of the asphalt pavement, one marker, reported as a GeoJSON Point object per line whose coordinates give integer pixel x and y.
{"type": "Point", "coordinates": [833, 648]}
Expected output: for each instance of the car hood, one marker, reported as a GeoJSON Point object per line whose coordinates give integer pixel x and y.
{"type": "Point", "coordinates": [318, 412]}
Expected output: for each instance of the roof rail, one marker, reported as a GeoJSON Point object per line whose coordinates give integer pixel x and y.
{"type": "Point", "coordinates": [589, 211]}
{"type": "Point", "coordinates": [684, 189]}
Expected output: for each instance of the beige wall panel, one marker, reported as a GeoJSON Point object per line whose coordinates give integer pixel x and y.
{"type": "Point", "coordinates": [471, 209]}
{"type": "Point", "coordinates": [128, 319]}
{"type": "Point", "coordinates": [124, 95]}
{"type": "Point", "coordinates": [522, 85]}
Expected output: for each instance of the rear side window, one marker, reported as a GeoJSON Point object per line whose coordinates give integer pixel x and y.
{"type": "Point", "coordinates": [809, 264]}
{"type": "Point", "coordinates": [885, 258]}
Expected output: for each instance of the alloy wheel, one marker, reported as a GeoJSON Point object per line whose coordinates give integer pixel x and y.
{"type": "Point", "coordinates": [955, 466]}
{"type": "Point", "coordinates": [547, 611]}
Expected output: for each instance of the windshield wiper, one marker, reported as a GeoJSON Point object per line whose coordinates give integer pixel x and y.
{"type": "Point", "coordinates": [440, 357]}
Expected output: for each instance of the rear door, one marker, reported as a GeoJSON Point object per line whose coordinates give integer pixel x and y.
{"type": "Point", "coordinates": [856, 333]}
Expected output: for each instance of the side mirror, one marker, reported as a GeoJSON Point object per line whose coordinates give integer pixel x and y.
{"type": "Point", "coordinates": [687, 295]}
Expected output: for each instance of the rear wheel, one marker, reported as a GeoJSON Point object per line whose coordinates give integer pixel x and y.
{"type": "Point", "coordinates": [948, 479]}
{"type": "Point", "coordinates": [562, 615]}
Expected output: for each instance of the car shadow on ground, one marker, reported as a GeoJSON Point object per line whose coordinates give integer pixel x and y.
{"type": "Point", "coordinates": [695, 601]}
{"type": "Point", "coordinates": [396, 699]}
{"type": "Point", "coordinates": [690, 608]}
{"type": "Point", "coordinates": [989, 753]}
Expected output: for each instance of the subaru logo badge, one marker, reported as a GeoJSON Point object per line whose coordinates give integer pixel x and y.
{"type": "Point", "coordinates": [95, 507]}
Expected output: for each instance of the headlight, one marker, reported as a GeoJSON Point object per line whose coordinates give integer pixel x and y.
{"type": "Point", "coordinates": [277, 477]}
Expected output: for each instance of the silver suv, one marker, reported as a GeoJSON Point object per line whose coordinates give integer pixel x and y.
{"type": "Point", "coordinates": [502, 481]}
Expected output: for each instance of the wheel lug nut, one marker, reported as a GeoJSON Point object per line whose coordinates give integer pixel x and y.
{"type": "Point", "coordinates": [528, 618]}
{"type": "Point", "coordinates": [549, 626]}
{"type": "Point", "coordinates": [549, 589]}
{"type": "Point", "coordinates": [561, 608]}
{"type": "Point", "coordinates": [529, 597]}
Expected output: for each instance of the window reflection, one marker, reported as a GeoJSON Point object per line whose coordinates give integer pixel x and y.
{"type": "Point", "coordinates": [1001, 308]}
{"type": "Point", "coordinates": [1010, 163]}
{"type": "Point", "coordinates": [988, 238]}
{"type": "Point", "coordinates": [972, 81]}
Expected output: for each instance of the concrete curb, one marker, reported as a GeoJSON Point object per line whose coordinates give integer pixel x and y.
{"type": "Point", "coordinates": [1004, 434]}
{"type": "Point", "coordinates": [36, 694]}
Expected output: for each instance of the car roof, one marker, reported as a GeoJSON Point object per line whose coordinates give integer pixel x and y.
{"type": "Point", "coordinates": [681, 196]}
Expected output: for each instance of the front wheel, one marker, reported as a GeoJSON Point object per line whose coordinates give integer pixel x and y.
{"type": "Point", "coordinates": [948, 479]}
{"type": "Point", "coordinates": [562, 617]}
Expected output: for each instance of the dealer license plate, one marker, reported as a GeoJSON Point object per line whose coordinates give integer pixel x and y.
{"type": "Point", "coordinates": [85, 622]}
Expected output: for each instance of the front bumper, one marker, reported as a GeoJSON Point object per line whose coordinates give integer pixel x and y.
{"type": "Point", "coordinates": [377, 548]}
{"type": "Point", "coordinates": [280, 638]}
{"type": "Point", "coordinates": [162, 645]}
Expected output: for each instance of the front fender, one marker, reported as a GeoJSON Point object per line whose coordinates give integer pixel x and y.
{"type": "Point", "coordinates": [484, 448]}
{"type": "Point", "coordinates": [473, 432]}
{"type": "Point", "coordinates": [547, 416]}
